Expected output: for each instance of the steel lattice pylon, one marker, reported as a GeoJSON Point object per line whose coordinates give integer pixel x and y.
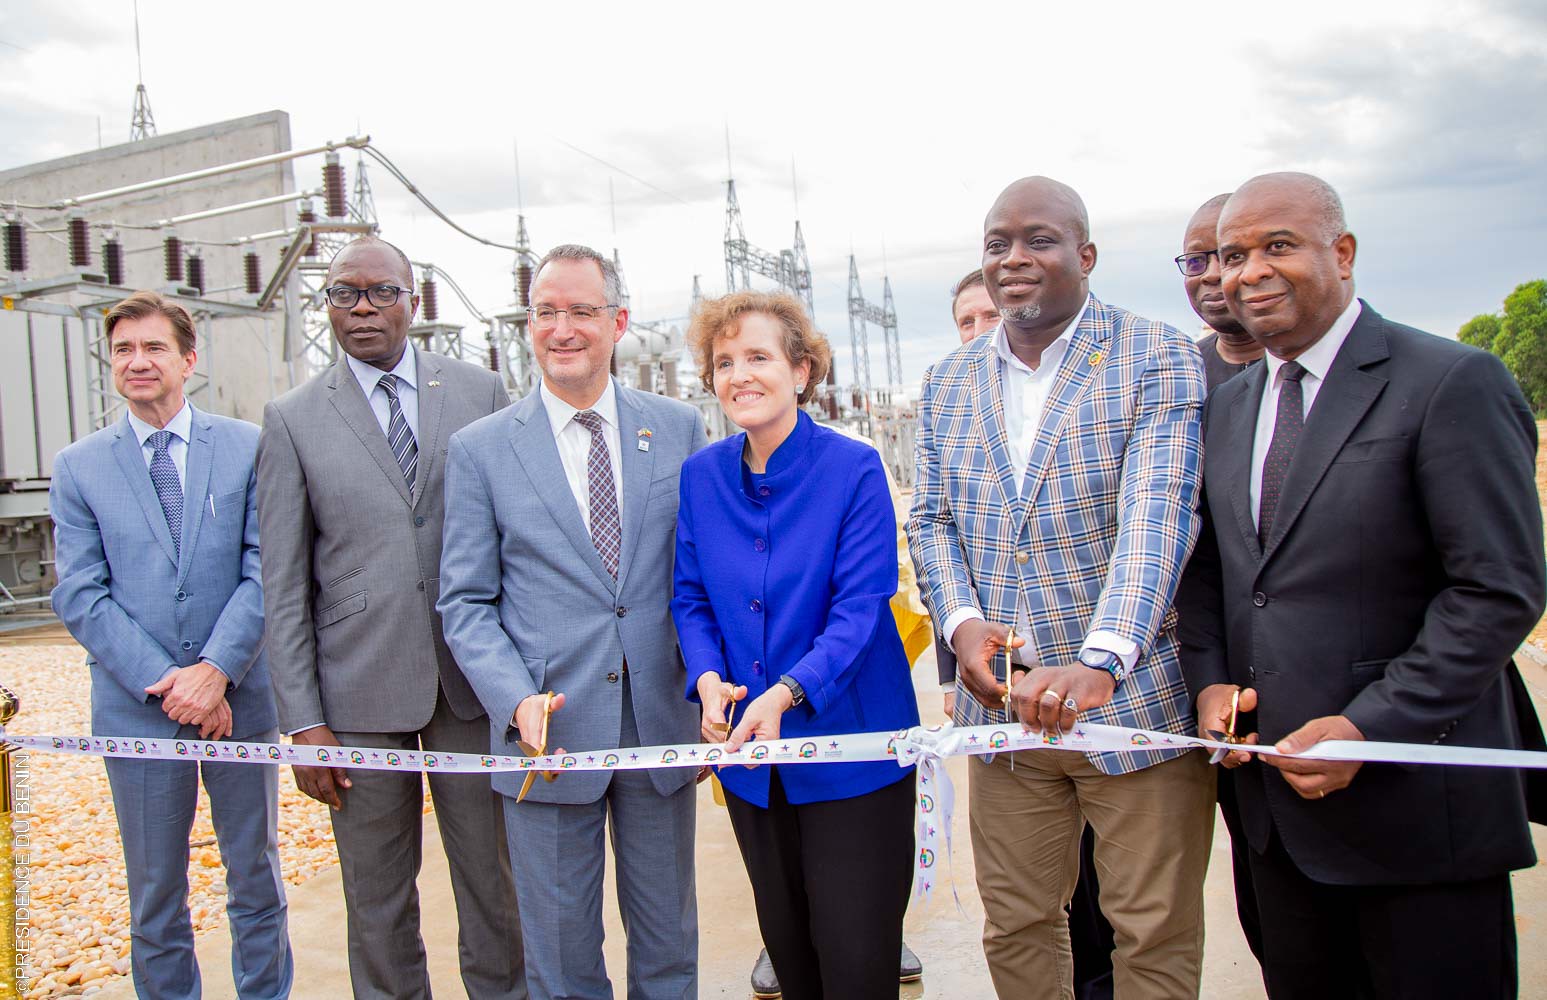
{"type": "Point", "coordinates": [863, 313]}
{"type": "Point", "coordinates": [791, 269]}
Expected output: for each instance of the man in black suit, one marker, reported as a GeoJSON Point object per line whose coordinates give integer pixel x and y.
{"type": "Point", "coordinates": [1372, 560]}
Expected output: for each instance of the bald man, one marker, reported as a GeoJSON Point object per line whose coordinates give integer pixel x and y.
{"type": "Point", "coordinates": [1227, 348]}
{"type": "Point", "coordinates": [1058, 466]}
{"type": "Point", "coordinates": [1371, 558]}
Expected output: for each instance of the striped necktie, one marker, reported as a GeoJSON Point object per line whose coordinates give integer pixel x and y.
{"type": "Point", "coordinates": [399, 437]}
{"type": "Point", "coordinates": [169, 490]}
{"type": "Point", "coordinates": [606, 526]}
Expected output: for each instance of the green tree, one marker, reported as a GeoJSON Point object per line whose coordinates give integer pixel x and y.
{"type": "Point", "coordinates": [1519, 337]}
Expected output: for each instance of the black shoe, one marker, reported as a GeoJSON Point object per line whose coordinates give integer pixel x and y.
{"type": "Point", "coordinates": [765, 985]}
{"type": "Point", "coordinates": [911, 970]}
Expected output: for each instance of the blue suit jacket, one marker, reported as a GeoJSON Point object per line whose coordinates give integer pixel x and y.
{"type": "Point", "coordinates": [132, 603]}
{"type": "Point", "coordinates": [1096, 533]}
{"type": "Point", "coordinates": [795, 576]}
{"type": "Point", "coordinates": [528, 606]}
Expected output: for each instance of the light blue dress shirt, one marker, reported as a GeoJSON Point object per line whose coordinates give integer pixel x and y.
{"type": "Point", "coordinates": [181, 427]}
{"type": "Point", "coordinates": [407, 372]}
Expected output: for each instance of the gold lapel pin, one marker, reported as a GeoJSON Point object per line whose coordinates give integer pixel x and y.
{"type": "Point", "coordinates": [434, 383]}
{"type": "Point", "coordinates": [1095, 359]}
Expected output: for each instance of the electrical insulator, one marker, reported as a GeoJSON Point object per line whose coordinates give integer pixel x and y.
{"type": "Point", "coordinates": [113, 260]}
{"type": "Point", "coordinates": [333, 187]}
{"type": "Point", "coordinates": [429, 303]}
{"type": "Point", "coordinates": [172, 249]}
{"type": "Point", "coordinates": [524, 284]}
{"type": "Point", "coordinates": [15, 244]}
{"type": "Point", "coordinates": [80, 242]}
{"type": "Point", "coordinates": [196, 270]}
{"type": "Point", "coordinates": [250, 269]}
{"type": "Point", "coordinates": [494, 358]}
{"type": "Point", "coordinates": [306, 216]}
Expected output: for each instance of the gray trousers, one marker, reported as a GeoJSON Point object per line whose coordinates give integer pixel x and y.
{"type": "Point", "coordinates": [557, 855]}
{"type": "Point", "coordinates": [155, 801]}
{"type": "Point", "coordinates": [379, 849]}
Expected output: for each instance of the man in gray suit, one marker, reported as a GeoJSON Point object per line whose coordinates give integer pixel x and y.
{"type": "Point", "coordinates": [350, 499]}
{"type": "Point", "coordinates": [156, 536]}
{"type": "Point", "coordinates": [561, 515]}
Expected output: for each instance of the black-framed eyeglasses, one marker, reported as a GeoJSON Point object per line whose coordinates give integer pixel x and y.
{"type": "Point", "coordinates": [380, 296]}
{"type": "Point", "coordinates": [1195, 264]}
{"type": "Point", "coordinates": [547, 316]}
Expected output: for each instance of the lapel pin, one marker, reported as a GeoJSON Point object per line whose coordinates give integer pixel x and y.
{"type": "Point", "coordinates": [434, 383]}
{"type": "Point", "coordinates": [644, 438]}
{"type": "Point", "coordinates": [1095, 359]}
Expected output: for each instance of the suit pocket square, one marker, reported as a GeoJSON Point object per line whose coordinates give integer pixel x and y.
{"type": "Point", "coordinates": [338, 611]}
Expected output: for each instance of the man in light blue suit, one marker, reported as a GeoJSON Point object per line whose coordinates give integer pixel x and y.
{"type": "Point", "coordinates": [156, 536]}
{"type": "Point", "coordinates": [556, 574]}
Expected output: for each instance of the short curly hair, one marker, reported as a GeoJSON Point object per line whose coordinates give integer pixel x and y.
{"type": "Point", "coordinates": [716, 319]}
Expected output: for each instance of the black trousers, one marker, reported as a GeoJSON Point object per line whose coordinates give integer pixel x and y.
{"type": "Point", "coordinates": [831, 882]}
{"type": "Point", "coordinates": [1402, 942]}
{"type": "Point", "coordinates": [1090, 935]}
{"type": "Point", "coordinates": [1240, 860]}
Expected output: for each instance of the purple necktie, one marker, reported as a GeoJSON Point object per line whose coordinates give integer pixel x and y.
{"type": "Point", "coordinates": [1286, 434]}
{"type": "Point", "coordinates": [606, 527]}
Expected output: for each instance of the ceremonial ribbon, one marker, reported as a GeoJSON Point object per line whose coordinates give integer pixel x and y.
{"type": "Point", "coordinates": [926, 747]}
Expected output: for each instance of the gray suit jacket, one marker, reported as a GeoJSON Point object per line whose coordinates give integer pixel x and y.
{"type": "Point", "coordinates": [127, 597]}
{"type": "Point", "coordinates": [528, 605]}
{"type": "Point", "coordinates": [351, 568]}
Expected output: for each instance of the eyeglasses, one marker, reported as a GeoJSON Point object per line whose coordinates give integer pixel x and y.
{"type": "Point", "coordinates": [380, 296]}
{"type": "Point", "coordinates": [547, 317]}
{"type": "Point", "coordinates": [1195, 264]}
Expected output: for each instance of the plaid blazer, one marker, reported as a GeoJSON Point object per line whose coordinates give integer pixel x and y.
{"type": "Point", "coordinates": [1096, 534]}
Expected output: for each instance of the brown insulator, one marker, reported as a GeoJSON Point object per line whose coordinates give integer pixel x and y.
{"type": "Point", "coordinates": [524, 284]}
{"type": "Point", "coordinates": [306, 216]}
{"type": "Point", "coordinates": [429, 300]}
{"type": "Point", "coordinates": [80, 242]}
{"type": "Point", "coordinates": [196, 271]}
{"type": "Point", "coordinates": [494, 357]}
{"type": "Point", "coordinates": [172, 250]}
{"type": "Point", "coordinates": [113, 260]}
{"type": "Point", "coordinates": [252, 273]}
{"type": "Point", "coordinates": [15, 244]}
{"type": "Point", "coordinates": [333, 187]}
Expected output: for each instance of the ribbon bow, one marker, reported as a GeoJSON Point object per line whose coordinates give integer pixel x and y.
{"type": "Point", "coordinates": [927, 747]}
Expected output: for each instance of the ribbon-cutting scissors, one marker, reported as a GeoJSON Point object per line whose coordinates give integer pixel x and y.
{"type": "Point", "coordinates": [724, 728]}
{"type": "Point", "coordinates": [539, 750]}
{"type": "Point", "coordinates": [1229, 735]}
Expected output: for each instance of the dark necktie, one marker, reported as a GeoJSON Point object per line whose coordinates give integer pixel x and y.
{"type": "Point", "coordinates": [163, 475]}
{"type": "Point", "coordinates": [606, 528]}
{"type": "Point", "coordinates": [1286, 434]}
{"type": "Point", "coordinates": [399, 438]}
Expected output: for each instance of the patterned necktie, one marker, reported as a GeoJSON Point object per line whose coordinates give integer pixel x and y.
{"type": "Point", "coordinates": [163, 475]}
{"type": "Point", "coordinates": [399, 438]}
{"type": "Point", "coordinates": [606, 528]}
{"type": "Point", "coordinates": [1286, 434]}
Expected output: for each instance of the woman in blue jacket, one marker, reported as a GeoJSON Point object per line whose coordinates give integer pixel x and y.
{"type": "Point", "coordinates": [786, 562]}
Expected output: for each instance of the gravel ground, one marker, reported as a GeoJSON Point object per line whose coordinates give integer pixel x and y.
{"type": "Point", "coordinates": [80, 903]}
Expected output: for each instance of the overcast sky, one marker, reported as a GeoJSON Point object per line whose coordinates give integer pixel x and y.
{"type": "Point", "coordinates": [1430, 118]}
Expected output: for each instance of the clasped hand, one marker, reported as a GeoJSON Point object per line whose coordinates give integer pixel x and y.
{"type": "Point", "coordinates": [196, 696]}
{"type": "Point", "coordinates": [1042, 697]}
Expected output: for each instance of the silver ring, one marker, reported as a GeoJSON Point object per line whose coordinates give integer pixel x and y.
{"type": "Point", "coordinates": [1050, 694]}
{"type": "Point", "coordinates": [1071, 705]}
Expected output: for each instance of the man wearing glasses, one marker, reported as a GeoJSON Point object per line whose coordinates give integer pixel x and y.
{"type": "Point", "coordinates": [351, 471]}
{"type": "Point", "coordinates": [561, 517]}
{"type": "Point", "coordinates": [1228, 348]}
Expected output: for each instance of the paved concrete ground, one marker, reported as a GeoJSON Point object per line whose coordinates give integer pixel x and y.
{"type": "Point", "coordinates": [947, 942]}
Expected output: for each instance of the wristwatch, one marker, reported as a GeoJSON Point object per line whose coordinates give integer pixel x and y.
{"type": "Point", "coordinates": [797, 693]}
{"type": "Point", "coordinates": [1102, 659]}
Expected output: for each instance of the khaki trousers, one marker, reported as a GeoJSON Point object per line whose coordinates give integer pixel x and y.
{"type": "Point", "coordinates": [1154, 833]}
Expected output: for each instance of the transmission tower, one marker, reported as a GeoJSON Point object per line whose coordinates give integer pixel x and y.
{"type": "Point", "coordinates": [362, 202]}
{"type": "Point", "coordinates": [790, 268]}
{"type": "Point", "coordinates": [142, 124]}
{"type": "Point", "coordinates": [863, 313]}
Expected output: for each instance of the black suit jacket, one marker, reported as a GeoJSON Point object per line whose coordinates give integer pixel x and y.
{"type": "Point", "coordinates": [1404, 568]}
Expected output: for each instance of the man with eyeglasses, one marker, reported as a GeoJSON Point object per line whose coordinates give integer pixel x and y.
{"type": "Point", "coordinates": [556, 581]}
{"type": "Point", "coordinates": [351, 473]}
{"type": "Point", "coordinates": [1227, 349]}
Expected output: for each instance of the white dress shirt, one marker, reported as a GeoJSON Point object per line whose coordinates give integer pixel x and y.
{"type": "Point", "coordinates": [407, 372]}
{"type": "Point", "coordinates": [1317, 361]}
{"type": "Point", "coordinates": [1025, 391]}
{"type": "Point", "coordinates": [574, 443]}
{"type": "Point", "coordinates": [181, 426]}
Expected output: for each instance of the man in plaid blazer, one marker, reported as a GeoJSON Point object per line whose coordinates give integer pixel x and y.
{"type": "Point", "coordinates": [1058, 484]}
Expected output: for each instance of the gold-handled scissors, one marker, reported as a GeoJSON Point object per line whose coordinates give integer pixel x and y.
{"type": "Point", "coordinates": [1229, 735]}
{"type": "Point", "coordinates": [1009, 677]}
{"type": "Point", "coordinates": [724, 728]}
{"type": "Point", "coordinates": [539, 750]}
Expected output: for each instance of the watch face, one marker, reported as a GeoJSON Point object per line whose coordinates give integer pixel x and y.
{"type": "Point", "coordinates": [1095, 657]}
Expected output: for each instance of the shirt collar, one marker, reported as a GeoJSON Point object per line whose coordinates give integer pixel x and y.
{"type": "Point", "coordinates": [406, 369]}
{"type": "Point", "coordinates": [181, 425]}
{"type": "Point", "coordinates": [1317, 359]}
{"type": "Point", "coordinates": [1052, 354]}
{"type": "Point", "coordinates": [561, 413]}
